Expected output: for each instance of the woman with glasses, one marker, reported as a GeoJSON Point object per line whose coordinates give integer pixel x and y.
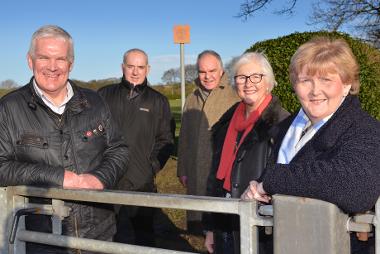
{"type": "Point", "coordinates": [330, 149]}
{"type": "Point", "coordinates": [242, 142]}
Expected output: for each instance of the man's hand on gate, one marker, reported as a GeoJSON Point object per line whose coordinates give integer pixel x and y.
{"type": "Point", "coordinates": [72, 180]}
{"type": "Point", "coordinates": [88, 181]}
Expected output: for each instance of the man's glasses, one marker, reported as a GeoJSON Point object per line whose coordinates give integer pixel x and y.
{"type": "Point", "coordinates": [255, 78]}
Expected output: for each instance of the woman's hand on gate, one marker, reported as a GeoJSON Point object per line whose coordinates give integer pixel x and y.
{"type": "Point", "coordinates": [256, 191]}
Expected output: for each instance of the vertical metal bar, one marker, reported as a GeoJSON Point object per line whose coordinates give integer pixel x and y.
{"type": "Point", "coordinates": [377, 227]}
{"type": "Point", "coordinates": [4, 222]}
{"type": "Point", "coordinates": [56, 220]}
{"type": "Point", "coordinates": [15, 203]}
{"type": "Point", "coordinates": [249, 237]}
{"type": "Point", "coordinates": [183, 91]}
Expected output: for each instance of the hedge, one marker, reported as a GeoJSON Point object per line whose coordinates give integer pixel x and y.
{"type": "Point", "coordinates": [280, 50]}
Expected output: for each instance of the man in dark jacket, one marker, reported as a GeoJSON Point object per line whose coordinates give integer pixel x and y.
{"type": "Point", "coordinates": [55, 134]}
{"type": "Point", "coordinates": [144, 117]}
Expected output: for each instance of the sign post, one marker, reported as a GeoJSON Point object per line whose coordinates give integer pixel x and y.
{"type": "Point", "coordinates": [182, 36]}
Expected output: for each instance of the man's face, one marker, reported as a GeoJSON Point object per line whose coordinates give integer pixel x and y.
{"type": "Point", "coordinates": [209, 71]}
{"type": "Point", "coordinates": [50, 65]}
{"type": "Point", "coordinates": [135, 68]}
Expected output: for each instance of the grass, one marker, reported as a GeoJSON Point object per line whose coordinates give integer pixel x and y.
{"type": "Point", "coordinates": [173, 225]}
{"type": "Point", "coordinates": [175, 237]}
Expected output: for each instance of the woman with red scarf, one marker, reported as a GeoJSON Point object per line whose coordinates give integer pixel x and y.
{"type": "Point", "coordinates": [242, 140]}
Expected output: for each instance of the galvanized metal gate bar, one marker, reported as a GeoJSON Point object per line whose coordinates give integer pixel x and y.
{"type": "Point", "coordinates": [89, 244]}
{"type": "Point", "coordinates": [246, 210]}
{"type": "Point", "coordinates": [185, 202]}
{"type": "Point", "coordinates": [17, 198]}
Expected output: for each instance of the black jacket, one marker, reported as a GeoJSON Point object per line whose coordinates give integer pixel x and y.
{"type": "Point", "coordinates": [340, 164]}
{"type": "Point", "coordinates": [143, 116]}
{"type": "Point", "coordinates": [250, 161]}
{"type": "Point", "coordinates": [37, 145]}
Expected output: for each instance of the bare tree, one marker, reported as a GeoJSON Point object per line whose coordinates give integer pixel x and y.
{"type": "Point", "coordinates": [170, 76]}
{"type": "Point", "coordinates": [361, 15]}
{"type": "Point", "coordinates": [173, 75]}
{"type": "Point", "coordinates": [191, 73]}
{"type": "Point", "coordinates": [364, 15]}
{"type": "Point", "coordinates": [7, 84]}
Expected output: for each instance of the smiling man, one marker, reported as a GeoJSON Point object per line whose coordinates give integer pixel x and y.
{"type": "Point", "coordinates": [55, 134]}
{"type": "Point", "coordinates": [202, 110]}
{"type": "Point", "coordinates": [143, 115]}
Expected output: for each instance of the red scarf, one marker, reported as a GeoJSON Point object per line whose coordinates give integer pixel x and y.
{"type": "Point", "coordinates": [230, 147]}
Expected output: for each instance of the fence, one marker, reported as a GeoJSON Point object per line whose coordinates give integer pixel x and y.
{"type": "Point", "coordinates": [297, 222]}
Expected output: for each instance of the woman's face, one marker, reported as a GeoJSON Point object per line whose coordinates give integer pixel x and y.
{"type": "Point", "coordinates": [251, 84]}
{"type": "Point", "coordinates": [320, 95]}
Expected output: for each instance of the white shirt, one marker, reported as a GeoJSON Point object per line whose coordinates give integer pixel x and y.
{"type": "Point", "coordinates": [56, 109]}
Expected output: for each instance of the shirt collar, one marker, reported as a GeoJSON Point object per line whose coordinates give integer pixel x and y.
{"type": "Point", "coordinates": [57, 109]}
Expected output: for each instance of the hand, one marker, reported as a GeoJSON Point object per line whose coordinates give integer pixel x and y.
{"type": "Point", "coordinates": [83, 181]}
{"type": "Point", "coordinates": [256, 191]}
{"type": "Point", "coordinates": [183, 180]}
{"type": "Point", "coordinates": [209, 241]}
{"type": "Point", "coordinates": [88, 181]}
{"type": "Point", "coordinates": [70, 180]}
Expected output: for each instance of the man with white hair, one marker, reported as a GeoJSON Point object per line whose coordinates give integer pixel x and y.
{"type": "Point", "coordinates": [56, 134]}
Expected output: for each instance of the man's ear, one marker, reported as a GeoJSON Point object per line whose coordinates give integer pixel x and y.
{"type": "Point", "coordinates": [71, 66]}
{"type": "Point", "coordinates": [147, 69]}
{"type": "Point", "coordinates": [30, 61]}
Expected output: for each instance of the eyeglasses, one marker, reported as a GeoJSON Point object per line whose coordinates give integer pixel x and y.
{"type": "Point", "coordinates": [255, 78]}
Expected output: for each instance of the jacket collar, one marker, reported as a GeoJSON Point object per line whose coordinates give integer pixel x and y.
{"type": "Point", "coordinates": [340, 121]}
{"type": "Point", "coordinates": [332, 130]}
{"type": "Point", "coordinates": [266, 120]}
{"type": "Point", "coordinates": [137, 89]}
{"type": "Point", "coordinates": [76, 104]}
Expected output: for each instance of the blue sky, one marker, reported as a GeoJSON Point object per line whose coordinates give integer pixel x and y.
{"type": "Point", "coordinates": [104, 30]}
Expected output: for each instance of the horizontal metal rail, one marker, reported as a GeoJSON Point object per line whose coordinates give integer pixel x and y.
{"type": "Point", "coordinates": [246, 209]}
{"type": "Point", "coordinates": [175, 201]}
{"type": "Point", "coordinates": [89, 244]}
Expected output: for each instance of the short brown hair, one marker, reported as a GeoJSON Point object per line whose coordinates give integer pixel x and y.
{"type": "Point", "coordinates": [326, 55]}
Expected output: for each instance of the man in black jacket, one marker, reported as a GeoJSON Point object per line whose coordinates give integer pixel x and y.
{"type": "Point", "coordinates": [144, 117]}
{"type": "Point", "coordinates": [55, 134]}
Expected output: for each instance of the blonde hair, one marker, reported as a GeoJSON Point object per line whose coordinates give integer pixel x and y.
{"type": "Point", "coordinates": [323, 55]}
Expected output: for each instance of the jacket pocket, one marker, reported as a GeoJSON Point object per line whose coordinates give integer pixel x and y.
{"type": "Point", "coordinates": [32, 140]}
{"type": "Point", "coordinates": [32, 148]}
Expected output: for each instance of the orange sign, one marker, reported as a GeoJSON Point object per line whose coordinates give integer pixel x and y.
{"type": "Point", "coordinates": [181, 34]}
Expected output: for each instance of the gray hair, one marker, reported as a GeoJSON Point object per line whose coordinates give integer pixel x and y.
{"type": "Point", "coordinates": [209, 52]}
{"type": "Point", "coordinates": [262, 59]}
{"type": "Point", "coordinates": [135, 50]}
{"type": "Point", "coordinates": [54, 32]}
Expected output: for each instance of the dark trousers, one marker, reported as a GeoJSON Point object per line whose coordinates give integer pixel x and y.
{"type": "Point", "coordinates": [360, 247]}
{"type": "Point", "coordinates": [229, 242]}
{"type": "Point", "coordinates": [134, 225]}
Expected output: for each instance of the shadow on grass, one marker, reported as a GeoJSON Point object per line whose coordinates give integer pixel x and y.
{"type": "Point", "coordinates": [169, 236]}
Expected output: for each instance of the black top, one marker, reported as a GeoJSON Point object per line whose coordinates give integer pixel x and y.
{"type": "Point", "coordinates": [144, 118]}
